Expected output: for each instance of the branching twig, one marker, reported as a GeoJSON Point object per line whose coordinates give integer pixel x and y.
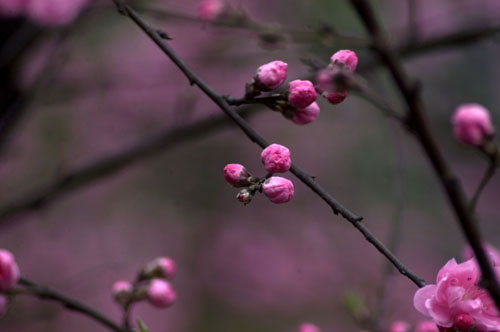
{"type": "Point", "coordinates": [419, 123]}
{"type": "Point", "coordinates": [46, 293]}
{"type": "Point", "coordinates": [488, 174]}
{"type": "Point", "coordinates": [255, 137]}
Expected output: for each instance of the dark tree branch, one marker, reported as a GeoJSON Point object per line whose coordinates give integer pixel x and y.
{"type": "Point", "coordinates": [255, 137]}
{"type": "Point", "coordinates": [45, 293]}
{"type": "Point", "coordinates": [420, 124]}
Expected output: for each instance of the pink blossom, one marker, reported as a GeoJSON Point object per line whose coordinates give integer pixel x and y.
{"type": "Point", "coordinates": [210, 10]}
{"type": "Point", "coordinates": [308, 327]}
{"type": "Point", "coordinates": [235, 173]}
{"type": "Point", "coordinates": [472, 124]}
{"type": "Point", "coordinates": [303, 116]}
{"type": "Point", "coordinates": [122, 291]}
{"type": "Point", "coordinates": [467, 253]}
{"type": "Point", "coordinates": [54, 12]}
{"type": "Point", "coordinates": [167, 267]}
{"type": "Point", "coordinates": [399, 326]}
{"type": "Point", "coordinates": [324, 80]}
{"type": "Point", "coordinates": [271, 75]}
{"type": "Point", "coordinates": [3, 305]}
{"type": "Point", "coordinates": [12, 7]}
{"type": "Point", "coordinates": [347, 58]}
{"type": "Point", "coordinates": [457, 292]}
{"type": "Point", "coordinates": [301, 93]}
{"type": "Point", "coordinates": [9, 271]}
{"type": "Point", "coordinates": [160, 293]}
{"type": "Point", "coordinates": [426, 326]}
{"type": "Point", "coordinates": [335, 97]}
{"type": "Point", "coordinates": [278, 190]}
{"type": "Point", "coordinates": [276, 158]}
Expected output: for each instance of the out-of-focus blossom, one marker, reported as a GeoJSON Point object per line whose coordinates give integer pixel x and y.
{"type": "Point", "coordinates": [303, 116]}
{"type": "Point", "coordinates": [457, 292]}
{"type": "Point", "coordinates": [54, 12]}
{"type": "Point", "coordinates": [122, 291]}
{"type": "Point", "coordinates": [326, 86]}
{"type": "Point", "coordinates": [468, 253]}
{"type": "Point", "coordinates": [271, 75]}
{"type": "Point", "coordinates": [472, 124]}
{"type": "Point", "coordinates": [335, 97]}
{"type": "Point", "coordinates": [276, 158]}
{"type": "Point", "coordinates": [12, 7]}
{"type": "Point", "coordinates": [308, 327]}
{"type": "Point", "coordinates": [9, 271]}
{"type": "Point", "coordinates": [211, 10]}
{"type": "Point", "coordinates": [167, 267]}
{"type": "Point", "coordinates": [278, 190]}
{"type": "Point", "coordinates": [235, 174]}
{"type": "Point", "coordinates": [160, 293]}
{"type": "Point", "coordinates": [345, 57]}
{"type": "Point", "coordinates": [399, 326]}
{"type": "Point", "coordinates": [426, 326]}
{"type": "Point", "coordinates": [3, 305]}
{"type": "Point", "coordinates": [301, 93]}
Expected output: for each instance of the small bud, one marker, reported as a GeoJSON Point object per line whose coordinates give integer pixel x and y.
{"type": "Point", "coordinates": [161, 267]}
{"type": "Point", "coordinates": [211, 10]}
{"type": "Point", "coordinates": [278, 189]}
{"type": "Point", "coordinates": [463, 322]}
{"type": "Point", "coordinates": [345, 57]}
{"type": "Point", "coordinates": [122, 292]}
{"type": "Point", "coordinates": [399, 326]}
{"type": "Point", "coordinates": [236, 174]}
{"type": "Point", "coordinates": [426, 326]}
{"type": "Point", "coordinates": [244, 196]}
{"type": "Point", "coordinates": [3, 305]}
{"type": "Point", "coordinates": [303, 116]}
{"type": "Point", "coordinates": [308, 327]}
{"type": "Point", "coordinates": [276, 158]}
{"type": "Point", "coordinates": [301, 93]}
{"type": "Point", "coordinates": [271, 75]}
{"type": "Point", "coordinates": [335, 97]}
{"type": "Point", "coordinates": [161, 294]}
{"type": "Point", "coordinates": [9, 271]}
{"type": "Point", "coordinates": [472, 124]}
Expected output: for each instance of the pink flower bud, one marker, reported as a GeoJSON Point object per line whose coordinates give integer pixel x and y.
{"type": "Point", "coordinates": [161, 294]}
{"type": "Point", "coordinates": [55, 12]}
{"type": "Point", "coordinates": [244, 196]}
{"type": "Point", "coordinates": [308, 327]}
{"type": "Point", "coordinates": [324, 80]}
{"type": "Point", "coordinates": [276, 158]}
{"type": "Point", "coordinates": [271, 75]}
{"type": "Point", "coordinates": [399, 326]}
{"type": "Point", "coordinates": [12, 7]}
{"type": "Point", "coordinates": [472, 124]}
{"type": "Point", "coordinates": [301, 93]}
{"type": "Point", "coordinates": [167, 267]}
{"type": "Point", "coordinates": [236, 174]}
{"type": "Point", "coordinates": [463, 322]}
{"type": "Point", "coordinates": [278, 189]}
{"type": "Point", "coordinates": [9, 271]}
{"type": "Point", "coordinates": [211, 10]}
{"type": "Point", "coordinates": [303, 116]}
{"type": "Point", "coordinates": [3, 305]}
{"type": "Point", "coordinates": [346, 58]}
{"type": "Point", "coordinates": [122, 292]}
{"type": "Point", "coordinates": [335, 97]}
{"type": "Point", "coordinates": [426, 326]}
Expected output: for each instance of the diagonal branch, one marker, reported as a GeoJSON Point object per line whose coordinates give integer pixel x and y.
{"type": "Point", "coordinates": [259, 140]}
{"type": "Point", "coordinates": [419, 123]}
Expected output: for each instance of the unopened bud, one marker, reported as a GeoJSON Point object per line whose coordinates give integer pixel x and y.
{"type": "Point", "coordinates": [244, 196]}
{"type": "Point", "coordinates": [303, 116]}
{"type": "Point", "coordinates": [347, 58]}
{"type": "Point", "coordinates": [122, 292]}
{"type": "Point", "coordinates": [9, 271]}
{"type": "Point", "coordinates": [271, 75]}
{"type": "Point", "coordinates": [463, 322]}
{"type": "Point", "coordinates": [472, 124]}
{"type": "Point", "coordinates": [278, 190]}
{"type": "Point", "coordinates": [308, 327]}
{"type": "Point", "coordinates": [301, 93]}
{"type": "Point", "coordinates": [276, 158]}
{"type": "Point", "coordinates": [236, 174]}
{"type": "Point", "coordinates": [399, 326]}
{"type": "Point", "coordinates": [161, 294]}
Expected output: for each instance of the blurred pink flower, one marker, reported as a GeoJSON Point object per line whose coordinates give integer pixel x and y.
{"type": "Point", "coordinates": [426, 326]}
{"type": "Point", "coordinates": [472, 124]}
{"type": "Point", "coordinates": [122, 291]}
{"type": "Point", "coordinates": [308, 327]}
{"type": "Point", "coordinates": [302, 93]}
{"type": "Point", "coordinates": [457, 292]}
{"type": "Point", "coordinates": [303, 116]}
{"type": "Point", "coordinates": [160, 293]}
{"type": "Point", "coordinates": [210, 10]}
{"type": "Point", "coordinates": [467, 253]}
{"type": "Point", "coordinates": [54, 12]}
{"type": "Point", "coordinates": [271, 75]}
{"type": "Point", "coordinates": [399, 326]}
{"type": "Point", "coordinates": [9, 271]}
{"type": "Point", "coordinates": [335, 97]}
{"type": "Point", "coordinates": [276, 158]}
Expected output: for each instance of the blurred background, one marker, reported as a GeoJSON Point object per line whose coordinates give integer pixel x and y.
{"type": "Point", "coordinates": [95, 87]}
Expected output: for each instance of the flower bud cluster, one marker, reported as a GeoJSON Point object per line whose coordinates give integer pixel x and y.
{"type": "Point", "coordinates": [276, 159]}
{"type": "Point", "coordinates": [50, 13]}
{"type": "Point", "coordinates": [326, 79]}
{"type": "Point", "coordinates": [152, 284]}
{"type": "Point", "coordinates": [9, 275]}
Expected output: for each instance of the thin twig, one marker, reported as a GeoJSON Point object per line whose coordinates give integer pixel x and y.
{"type": "Point", "coordinates": [255, 137]}
{"type": "Point", "coordinates": [418, 121]}
{"type": "Point", "coordinates": [488, 174]}
{"type": "Point", "coordinates": [46, 293]}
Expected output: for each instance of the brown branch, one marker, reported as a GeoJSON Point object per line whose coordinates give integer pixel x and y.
{"type": "Point", "coordinates": [420, 124]}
